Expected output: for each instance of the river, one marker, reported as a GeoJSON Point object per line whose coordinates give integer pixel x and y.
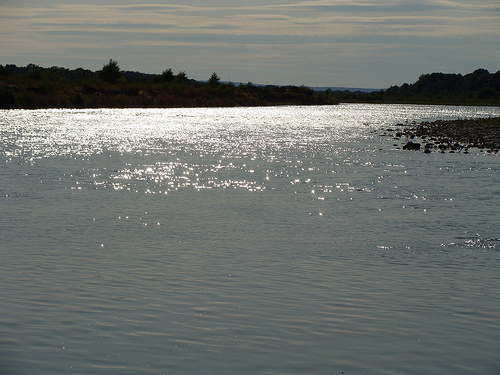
{"type": "Point", "coordinates": [267, 240]}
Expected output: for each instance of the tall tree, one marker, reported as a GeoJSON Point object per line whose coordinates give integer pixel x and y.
{"type": "Point", "coordinates": [110, 72]}
{"type": "Point", "coordinates": [214, 79]}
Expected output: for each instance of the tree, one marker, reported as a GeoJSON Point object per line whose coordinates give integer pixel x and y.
{"type": "Point", "coordinates": [4, 71]}
{"type": "Point", "coordinates": [167, 75]}
{"type": "Point", "coordinates": [110, 72]}
{"type": "Point", "coordinates": [214, 79]}
{"type": "Point", "coordinates": [181, 78]}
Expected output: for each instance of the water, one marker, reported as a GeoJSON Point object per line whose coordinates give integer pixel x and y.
{"type": "Point", "coordinates": [281, 240]}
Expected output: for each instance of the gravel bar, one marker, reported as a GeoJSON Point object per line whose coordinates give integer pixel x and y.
{"type": "Point", "coordinates": [453, 135]}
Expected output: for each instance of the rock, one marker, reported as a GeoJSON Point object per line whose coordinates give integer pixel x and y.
{"type": "Point", "coordinates": [412, 146]}
{"type": "Point", "coordinates": [460, 135]}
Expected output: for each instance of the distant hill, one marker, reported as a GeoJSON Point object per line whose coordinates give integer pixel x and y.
{"type": "Point", "coordinates": [319, 88]}
{"type": "Point", "coordinates": [349, 89]}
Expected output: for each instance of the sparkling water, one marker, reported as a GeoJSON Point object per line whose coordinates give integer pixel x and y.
{"type": "Point", "coordinates": [268, 240]}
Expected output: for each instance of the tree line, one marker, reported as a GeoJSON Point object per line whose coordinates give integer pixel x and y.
{"type": "Point", "coordinates": [477, 88]}
{"type": "Point", "coordinates": [35, 87]}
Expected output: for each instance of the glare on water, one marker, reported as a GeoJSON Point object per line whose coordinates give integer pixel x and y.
{"type": "Point", "coordinates": [271, 240]}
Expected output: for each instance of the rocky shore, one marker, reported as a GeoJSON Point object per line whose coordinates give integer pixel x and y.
{"type": "Point", "coordinates": [450, 135]}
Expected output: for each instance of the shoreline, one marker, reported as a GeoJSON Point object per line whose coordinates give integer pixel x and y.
{"type": "Point", "coordinates": [451, 135]}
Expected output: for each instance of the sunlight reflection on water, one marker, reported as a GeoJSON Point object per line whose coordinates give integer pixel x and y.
{"type": "Point", "coordinates": [258, 240]}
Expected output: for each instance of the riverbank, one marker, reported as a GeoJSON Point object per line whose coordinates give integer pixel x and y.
{"type": "Point", "coordinates": [451, 135]}
{"type": "Point", "coordinates": [35, 87]}
{"type": "Point", "coordinates": [39, 88]}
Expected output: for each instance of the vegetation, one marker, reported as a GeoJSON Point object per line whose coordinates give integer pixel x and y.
{"type": "Point", "coordinates": [477, 88]}
{"type": "Point", "coordinates": [110, 72]}
{"type": "Point", "coordinates": [34, 87]}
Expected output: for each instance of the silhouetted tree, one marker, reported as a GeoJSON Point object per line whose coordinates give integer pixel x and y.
{"type": "Point", "coordinates": [4, 71]}
{"type": "Point", "coordinates": [495, 81]}
{"type": "Point", "coordinates": [214, 79]}
{"type": "Point", "coordinates": [167, 75]}
{"type": "Point", "coordinates": [181, 78]}
{"type": "Point", "coordinates": [110, 72]}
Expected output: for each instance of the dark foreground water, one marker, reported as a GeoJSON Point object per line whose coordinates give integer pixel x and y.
{"type": "Point", "coordinates": [282, 240]}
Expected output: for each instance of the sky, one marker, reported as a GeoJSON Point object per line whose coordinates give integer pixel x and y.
{"type": "Point", "coordinates": [332, 43]}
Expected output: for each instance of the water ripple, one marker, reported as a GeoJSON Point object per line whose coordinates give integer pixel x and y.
{"type": "Point", "coordinates": [281, 240]}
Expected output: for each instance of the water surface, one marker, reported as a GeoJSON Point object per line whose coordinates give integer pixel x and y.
{"type": "Point", "coordinates": [280, 240]}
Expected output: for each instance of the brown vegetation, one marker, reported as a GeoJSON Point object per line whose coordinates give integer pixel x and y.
{"type": "Point", "coordinates": [35, 87]}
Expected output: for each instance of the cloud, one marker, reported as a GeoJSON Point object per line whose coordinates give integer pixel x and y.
{"type": "Point", "coordinates": [317, 33]}
{"type": "Point", "coordinates": [308, 18]}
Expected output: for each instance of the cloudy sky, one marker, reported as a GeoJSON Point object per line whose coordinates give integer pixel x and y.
{"type": "Point", "coordinates": [363, 43]}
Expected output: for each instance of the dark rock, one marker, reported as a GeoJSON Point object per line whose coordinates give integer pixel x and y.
{"type": "Point", "coordinates": [460, 135]}
{"type": "Point", "coordinates": [412, 146]}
